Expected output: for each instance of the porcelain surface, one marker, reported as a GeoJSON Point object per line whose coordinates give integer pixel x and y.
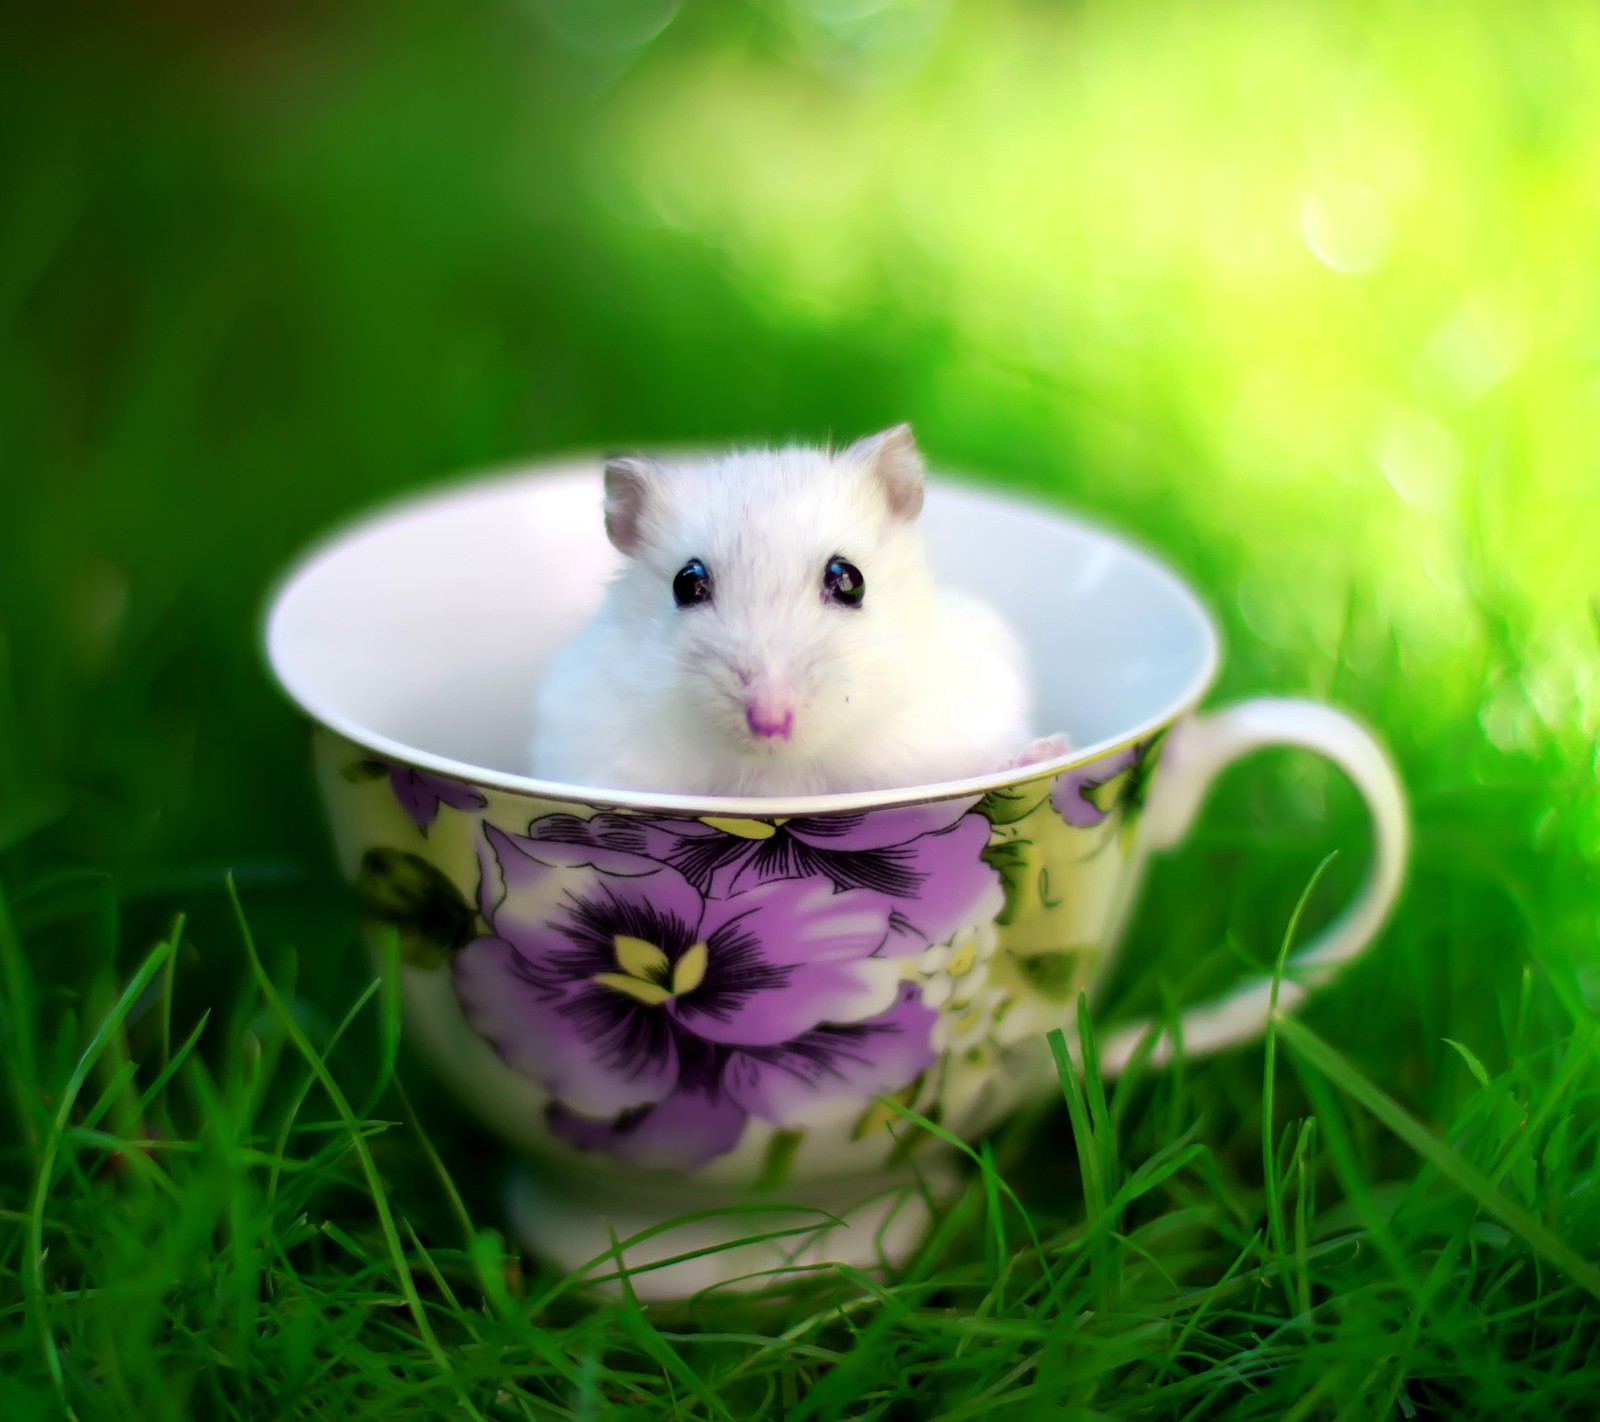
{"type": "Point", "coordinates": [663, 1000]}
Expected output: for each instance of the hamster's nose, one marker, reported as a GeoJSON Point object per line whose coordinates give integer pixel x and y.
{"type": "Point", "coordinates": [767, 718]}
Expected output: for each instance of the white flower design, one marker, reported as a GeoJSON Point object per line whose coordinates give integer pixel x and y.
{"type": "Point", "coordinates": [953, 972]}
{"type": "Point", "coordinates": [954, 978]}
{"type": "Point", "coordinates": [966, 1025]}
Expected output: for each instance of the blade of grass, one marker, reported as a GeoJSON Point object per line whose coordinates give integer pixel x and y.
{"type": "Point", "coordinates": [369, 1167]}
{"type": "Point", "coordinates": [650, 1341]}
{"type": "Point", "coordinates": [1579, 1054]}
{"type": "Point", "coordinates": [292, 1111]}
{"type": "Point", "coordinates": [1105, 1142]}
{"type": "Point", "coordinates": [966, 1148]}
{"type": "Point", "coordinates": [1276, 1229]}
{"type": "Point", "coordinates": [109, 1026]}
{"type": "Point", "coordinates": [994, 1218]}
{"type": "Point", "coordinates": [452, 1195]}
{"type": "Point", "coordinates": [173, 1064]}
{"type": "Point", "coordinates": [387, 985]}
{"type": "Point", "coordinates": [1303, 1165]}
{"type": "Point", "coordinates": [1094, 1190]}
{"type": "Point", "coordinates": [1088, 1152]}
{"type": "Point", "coordinates": [1466, 1177]}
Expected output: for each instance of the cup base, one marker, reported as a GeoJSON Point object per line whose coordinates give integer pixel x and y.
{"type": "Point", "coordinates": [871, 1226]}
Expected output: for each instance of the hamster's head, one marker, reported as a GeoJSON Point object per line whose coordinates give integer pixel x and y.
{"type": "Point", "coordinates": [780, 597]}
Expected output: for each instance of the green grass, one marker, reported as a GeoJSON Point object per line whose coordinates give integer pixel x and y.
{"type": "Point", "coordinates": [1300, 296]}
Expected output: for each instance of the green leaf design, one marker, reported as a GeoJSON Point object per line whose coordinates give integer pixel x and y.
{"type": "Point", "coordinates": [1009, 859]}
{"type": "Point", "coordinates": [1014, 802]}
{"type": "Point", "coordinates": [781, 1150]}
{"type": "Point", "coordinates": [358, 772]}
{"type": "Point", "coordinates": [1137, 787]}
{"type": "Point", "coordinates": [1054, 976]}
{"type": "Point", "coordinates": [406, 891]}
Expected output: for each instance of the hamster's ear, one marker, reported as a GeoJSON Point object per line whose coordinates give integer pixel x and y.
{"type": "Point", "coordinates": [631, 482]}
{"type": "Point", "coordinates": [893, 459]}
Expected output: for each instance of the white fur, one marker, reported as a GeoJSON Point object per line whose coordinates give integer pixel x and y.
{"type": "Point", "coordinates": [914, 687]}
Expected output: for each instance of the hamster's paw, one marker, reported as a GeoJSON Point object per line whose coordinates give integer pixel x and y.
{"type": "Point", "coordinates": [1043, 749]}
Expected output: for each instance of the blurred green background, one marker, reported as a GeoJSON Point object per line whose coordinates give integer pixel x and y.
{"type": "Point", "coordinates": [1302, 296]}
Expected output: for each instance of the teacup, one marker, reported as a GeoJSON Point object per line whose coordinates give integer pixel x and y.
{"type": "Point", "coordinates": [672, 1005]}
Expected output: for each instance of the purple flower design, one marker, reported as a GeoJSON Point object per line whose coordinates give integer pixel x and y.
{"type": "Point", "coordinates": [420, 794]}
{"type": "Point", "coordinates": [922, 863]}
{"type": "Point", "coordinates": [660, 1019]}
{"type": "Point", "coordinates": [1089, 795]}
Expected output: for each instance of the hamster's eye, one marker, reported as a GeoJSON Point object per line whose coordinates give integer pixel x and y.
{"type": "Point", "coordinates": [842, 583]}
{"type": "Point", "coordinates": [692, 585]}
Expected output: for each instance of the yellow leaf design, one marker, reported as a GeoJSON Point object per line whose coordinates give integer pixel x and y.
{"type": "Point", "coordinates": [640, 958]}
{"type": "Point", "coordinates": [743, 829]}
{"type": "Point", "coordinates": [1104, 795]}
{"type": "Point", "coordinates": [691, 970]}
{"type": "Point", "coordinates": [651, 994]}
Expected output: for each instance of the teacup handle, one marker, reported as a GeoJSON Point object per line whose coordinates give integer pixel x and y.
{"type": "Point", "coordinates": [1197, 751]}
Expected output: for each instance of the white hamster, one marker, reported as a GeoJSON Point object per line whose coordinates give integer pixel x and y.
{"type": "Point", "coordinates": [776, 630]}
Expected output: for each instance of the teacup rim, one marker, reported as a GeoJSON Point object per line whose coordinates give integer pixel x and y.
{"type": "Point", "coordinates": [580, 465]}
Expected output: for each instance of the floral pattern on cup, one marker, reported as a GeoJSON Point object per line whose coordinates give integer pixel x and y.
{"type": "Point", "coordinates": [923, 864]}
{"type": "Point", "coordinates": [1113, 785]}
{"type": "Point", "coordinates": [419, 792]}
{"type": "Point", "coordinates": [408, 895]}
{"type": "Point", "coordinates": [955, 980]}
{"type": "Point", "coordinates": [659, 1019]}
{"type": "Point", "coordinates": [666, 979]}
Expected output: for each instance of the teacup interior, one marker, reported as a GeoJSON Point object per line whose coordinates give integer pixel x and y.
{"type": "Point", "coordinates": [423, 630]}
